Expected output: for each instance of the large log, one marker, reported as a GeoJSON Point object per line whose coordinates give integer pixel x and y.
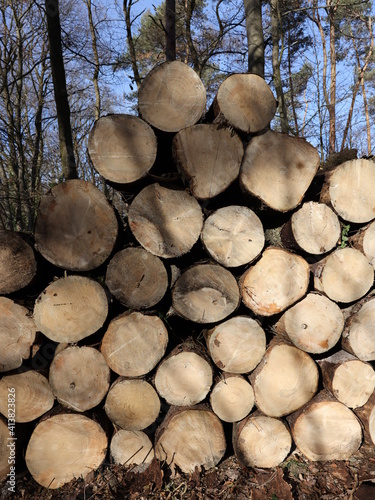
{"type": "Point", "coordinates": [358, 336]}
{"type": "Point", "coordinates": [275, 282]}
{"type": "Point", "coordinates": [290, 162]}
{"type": "Point", "coordinates": [189, 438]}
{"type": "Point", "coordinates": [233, 236]}
{"type": "Point", "coordinates": [134, 343]}
{"type": "Point", "coordinates": [236, 345]}
{"type": "Point", "coordinates": [231, 398]}
{"type": "Point", "coordinates": [208, 157]}
{"type": "Point", "coordinates": [166, 222]}
{"type": "Point", "coordinates": [71, 308]}
{"type": "Point", "coordinates": [17, 334]}
{"type": "Point", "coordinates": [17, 262]}
{"type": "Point", "coordinates": [364, 241]}
{"type": "Point", "coordinates": [64, 447]}
{"type": "Point", "coordinates": [131, 448]}
{"type": "Point", "coordinates": [171, 97]}
{"type": "Point", "coordinates": [76, 227]}
{"type": "Point", "coordinates": [122, 148]}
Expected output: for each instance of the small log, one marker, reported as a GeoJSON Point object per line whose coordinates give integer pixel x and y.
{"type": "Point", "coordinates": [285, 380]}
{"type": "Point", "coordinates": [344, 276]}
{"type": "Point", "coordinates": [261, 441]}
{"type": "Point", "coordinates": [132, 404]}
{"type": "Point", "coordinates": [76, 227]}
{"type": "Point", "coordinates": [314, 324]}
{"type": "Point", "coordinates": [291, 163]}
{"type": "Point", "coordinates": [348, 188]}
{"type": "Point", "coordinates": [32, 393]}
{"type": "Point", "coordinates": [236, 345]}
{"type": "Point", "coordinates": [232, 398]}
{"type": "Point", "coordinates": [136, 278]}
{"type": "Point", "coordinates": [233, 236]}
{"type": "Point", "coordinates": [17, 334]}
{"type": "Point", "coordinates": [208, 157]}
{"type": "Point", "coordinates": [122, 148]}
{"type": "Point", "coordinates": [314, 228]}
{"type": "Point", "coordinates": [366, 415]}
{"type": "Point", "coordinates": [5, 466]}
{"type": "Point", "coordinates": [79, 377]}
{"type": "Point", "coordinates": [275, 282]}
{"type": "Point", "coordinates": [132, 448]}
{"type": "Point", "coordinates": [70, 309]}
{"type": "Point", "coordinates": [189, 438]}
{"type": "Point", "coordinates": [205, 293]}
{"type": "Point", "coordinates": [171, 97]}
{"type": "Point", "coordinates": [17, 262]}
{"type": "Point", "coordinates": [64, 447]}
{"type": "Point", "coordinates": [358, 335]}
{"type": "Point", "coordinates": [166, 222]}
{"type": "Point", "coordinates": [350, 380]}
{"type": "Point", "coordinates": [245, 102]}
{"type": "Point", "coordinates": [364, 241]}
{"type": "Point", "coordinates": [325, 429]}
{"type": "Point", "coordinates": [185, 377]}
{"type": "Point", "coordinates": [134, 344]}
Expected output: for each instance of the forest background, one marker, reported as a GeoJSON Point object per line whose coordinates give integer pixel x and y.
{"type": "Point", "coordinates": [63, 64]}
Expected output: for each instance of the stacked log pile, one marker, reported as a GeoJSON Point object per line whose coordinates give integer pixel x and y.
{"type": "Point", "coordinates": [229, 311]}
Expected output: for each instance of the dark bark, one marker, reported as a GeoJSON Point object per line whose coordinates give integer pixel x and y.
{"type": "Point", "coordinates": [170, 25]}
{"type": "Point", "coordinates": [255, 40]}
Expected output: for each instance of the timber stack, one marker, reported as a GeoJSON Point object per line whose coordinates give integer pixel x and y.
{"type": "Point", "coordinates": [230, 308]}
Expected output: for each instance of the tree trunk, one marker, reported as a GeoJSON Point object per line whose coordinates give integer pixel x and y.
{"type": "Point", "coordinates": [172, 97]}
{"type": "Point", "coordinates": [285, 380]}
{"type": "Point", "coordinates": [255, 40]}
{"type": "Point", "coordinates": [136, 278]}
{"type": "Point", "coordinates": [364, 241]}
{"type": "Point", "coordinates": [79, 377]}
{"type": "Point", "coordinates": [236, 345]}
{"type": "Point", "coordinates": [291, 163]}
{"type": "Point", "coordinates": [175, 446]}
{"type": "Point", "coordinates": [350, 380]}
{"type": "Point", "coordinates": [132, 404]}
{"type": "Point", "coordinates": [344, 276]}
{"type": "Point", "coordinates": [70, 309]}
{"type": "Point", "coordinates": [275, 282]}
{"type": "Point", "coordinates": [208, 157]}
{"type": "Point", "coordinates": [17, 334]}
{"type": "Point", "coordinates": [261, 441]}
{"type": "Point", "coordinates": [76, 228]}
{"type": "Point", "coordinates": [64, 447]}
{"type": "Point", "coordinates": [205, 293]}
{"type": "Point", "coordinates": [122, 148]}
{"type": "Point", "coordinates": [325, 429]}
{"type": "Point", "coordinates": [244, 102]}
{"type": "Point", "coordinates": [314, 324]}
{"type": "Point", "coordinates": [231, 398]}
{"type": "Point", "coordinates": [132, 448]}
{"type": "Point", "coordinates": [134, 343]}
{"type": "Point", "coordinates": [166, 222]}
{"type": "Point", "coordinates": [170, 30]}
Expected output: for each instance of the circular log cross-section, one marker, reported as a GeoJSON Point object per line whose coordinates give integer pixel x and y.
{"type": "Point", "coordinates": [166, 222]}
{"type": "Point", "coordinates": [137, 278]}
{"type": "Point", "coordinates": [171, 97]}
{"type": "Point", "coordinates": [70, 309]}
{"type": "Point", "coordinates": [245, 102]}
{"type": "Point", "coordinates": [190, 438]}
{"type": "Point", "coordinates": [344, 276]}
{"type": "Point", "coordinates": [76, 227]}
{"type": "Point", "coordinates": [132, 404]}
{"type": "Point", "coordinates": [131, 448]}
{"type": "Point", "coordinates": [209, 158]}
{"type": "Point", "coordinates": [314, 324]}
{"type": "Point", "coordinates": [364, 241]}
{"type": "Point", "coordinates": [275, 282]}
{"type": "Point", "coordinates": [32, 393]}
{"type": "Point", "coordinates": [17, 262]}
{"type": "Point", "coordinates": [314, 228]}
{"type": "Point", "coordinates": [236, 345]}
{"type": "Point", "coordinates": [233, 236]}
{"type": "Point", "coordinates": [134, 343]}
{"type": "Point", "coordinates": [122, 148]}
{"type": "Point", "coordinates": [17, 334]}
{"type": "Point", "coordinates": [291, 163]}
{"type": "Point", "coordinates": [79, 377]}
{"type": "Point", "coordinates": [358, 336]}
{"type": "Point", "coordinates": [64, 447]}
{"type": "Point", "coordinates": [261, 441]}
{"type": "Point", "coordinates": [205, 293]}
{"type": "Point", "coordinates": [232, 398]}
